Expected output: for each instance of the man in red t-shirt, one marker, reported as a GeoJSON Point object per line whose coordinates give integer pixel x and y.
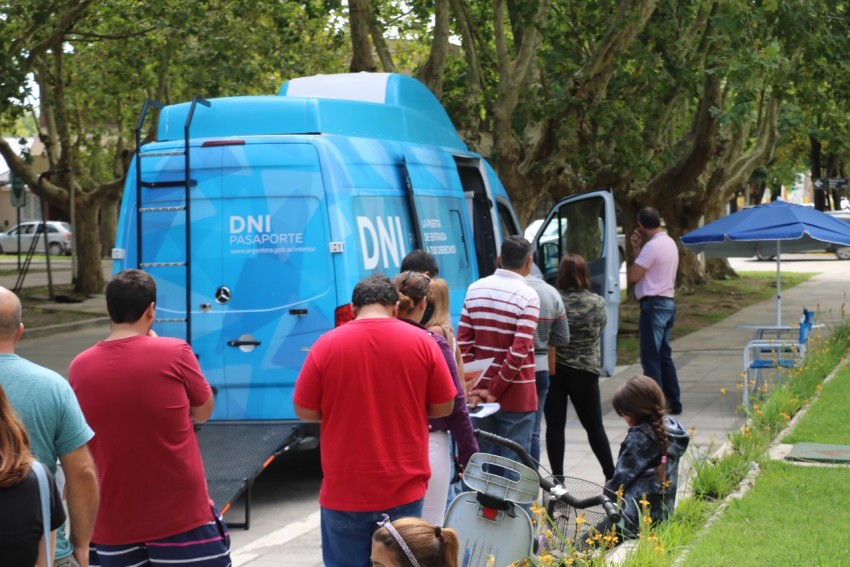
{"type": "Point", "coordinates": [140, 393]}
{"type": "Point", "coordinates": [372, 383]}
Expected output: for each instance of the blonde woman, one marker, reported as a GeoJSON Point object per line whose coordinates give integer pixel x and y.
{"type": "Point", "coordinates": [440, 320]}
{"type": "Point", "coordinates": [412, 290]}
{"type": "Point", "coordinates": [21, 528]}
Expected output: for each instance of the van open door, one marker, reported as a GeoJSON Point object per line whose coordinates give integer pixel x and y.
{"type": "Point", "coordinates": [586, 224]}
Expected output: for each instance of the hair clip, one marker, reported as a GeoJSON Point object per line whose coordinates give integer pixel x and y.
{"type": "Point", "coordinates": [385, 523]}
{"type": "Point", "coordinates": [663, 459]}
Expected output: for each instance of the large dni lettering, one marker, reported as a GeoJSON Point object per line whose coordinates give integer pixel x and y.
{"type": "Point", "coordinates": [382, 241]}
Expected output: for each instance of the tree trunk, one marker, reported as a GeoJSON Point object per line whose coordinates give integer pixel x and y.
{"type": "Point", "coordinates": [108, 226]}
{"type": "Point", "coordinates": [432, 72]}
{"type": "Point", "coordinates": [87, 243]}
{"type": "Point", "coordinates": [690, 272]}
{"type": "Point", "coordinates": [719, 269]}
{"type": "Point", "coordinates": [817, 171]}
{"type": "Point", "coordinates": [361, 58]}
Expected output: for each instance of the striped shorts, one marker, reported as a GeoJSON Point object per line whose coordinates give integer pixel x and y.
{"type": "Point", "coordinates": [205, 546]}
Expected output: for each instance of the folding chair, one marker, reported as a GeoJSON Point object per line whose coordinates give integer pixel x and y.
{"type": "Point", "coordinates": [773, 350]}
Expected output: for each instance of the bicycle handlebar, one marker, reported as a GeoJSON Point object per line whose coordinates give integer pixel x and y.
{"type": "Point", "coordinates": [557, 491]}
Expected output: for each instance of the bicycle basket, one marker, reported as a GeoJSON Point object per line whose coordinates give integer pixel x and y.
{"type": "Point", "coordinates": [570, 525]}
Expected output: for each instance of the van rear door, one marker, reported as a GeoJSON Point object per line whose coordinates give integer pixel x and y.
{"type": "Point", "coordinates": [274, 297]}
{"type": "Point", "coordinates": [586, 224]}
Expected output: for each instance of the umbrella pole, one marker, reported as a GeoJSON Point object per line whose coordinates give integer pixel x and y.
{"type": "Point", "coordinates": [778, 292]}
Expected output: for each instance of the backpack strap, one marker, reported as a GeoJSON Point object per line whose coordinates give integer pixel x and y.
{"type": "Point", "coordinates": [44, 493]}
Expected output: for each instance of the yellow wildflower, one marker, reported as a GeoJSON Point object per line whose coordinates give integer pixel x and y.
{"type": "Point", "coordinates": [491, 561]}
{"type": "Point", "coordinates": [644, 503]}
{"type": "Point", "coordinates": [538, 510]}
{"type": "Point", "coordinates": [580, 519]}
{"type": "Point", "coordinates": [722, 391]}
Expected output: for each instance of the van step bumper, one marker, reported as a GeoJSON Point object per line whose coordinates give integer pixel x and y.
{"type": "Point", "coordinates": [236, 453]}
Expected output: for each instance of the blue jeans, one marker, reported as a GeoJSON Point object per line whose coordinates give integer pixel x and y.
{"type": "Point", "coordinates": [347, 536]}
{"type": "Point", "coordinates": [542, 379]}
{"type": "Point", "coordinates": [657, 316]}
{"type": "Point", "coordinates": [516, 426]}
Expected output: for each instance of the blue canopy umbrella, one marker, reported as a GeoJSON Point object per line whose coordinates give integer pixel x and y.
{"type": "Point", "coordinates": [766, 229]}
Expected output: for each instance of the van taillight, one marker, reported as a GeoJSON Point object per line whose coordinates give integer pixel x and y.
{"type": "Point", "coordinates": [343, 314]}
{"type": "Point", "coordinates": [214, 143]}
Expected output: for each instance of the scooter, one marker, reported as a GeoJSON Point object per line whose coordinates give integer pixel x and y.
{"type": "Point", "coordinates": [492, 521]}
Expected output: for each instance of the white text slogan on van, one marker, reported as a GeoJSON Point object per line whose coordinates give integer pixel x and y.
{"type": "Point", "coordinates": [381, 240]}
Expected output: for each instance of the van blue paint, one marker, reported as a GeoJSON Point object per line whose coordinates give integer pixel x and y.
{"type": "Point", "coordinates": [297, 198]}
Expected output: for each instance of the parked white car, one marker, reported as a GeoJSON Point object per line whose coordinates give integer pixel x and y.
{"type": "Point", "coordinates": [551, 234]}
{"type": "Point", "coordinates": [58, 238]}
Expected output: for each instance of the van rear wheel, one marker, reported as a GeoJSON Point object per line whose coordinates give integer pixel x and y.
{"type": "Point", "coordinates": [55, 249]}
{"type": "Point", "coordinates": [843, 253]}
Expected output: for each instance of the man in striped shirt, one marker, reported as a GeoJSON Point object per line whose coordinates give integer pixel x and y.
{"type": "Point", "coordinates": [498, 321]}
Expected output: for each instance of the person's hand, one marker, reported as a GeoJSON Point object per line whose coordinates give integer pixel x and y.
{"type": "Point", "coordinates": [481, 396]}
{"type": "Point", "coordinates": [636, 240]}
{"type": "Point", "coordinates": [82, 556]}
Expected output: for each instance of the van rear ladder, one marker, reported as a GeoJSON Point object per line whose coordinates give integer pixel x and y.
{"type": "Point", "coordinates": [187, 183]}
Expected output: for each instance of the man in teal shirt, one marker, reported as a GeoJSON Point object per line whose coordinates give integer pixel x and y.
{"type": "Point", "coordinates": [45, 403]}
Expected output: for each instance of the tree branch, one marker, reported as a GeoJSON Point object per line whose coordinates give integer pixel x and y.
{"type": "Point", "coordinates": [64, 24]}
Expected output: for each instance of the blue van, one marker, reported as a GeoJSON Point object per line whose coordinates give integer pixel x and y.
{"type": "Point", "coordinates": [257, 215]}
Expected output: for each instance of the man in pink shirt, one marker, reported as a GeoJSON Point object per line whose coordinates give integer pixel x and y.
{"type": "Point", "coordinates": [654, 276]}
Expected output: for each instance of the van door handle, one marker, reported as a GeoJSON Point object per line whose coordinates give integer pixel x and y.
{"type": "Point", "coordinates": [298, 312]}
{"type": "Point", "coordinates": [243, 343]}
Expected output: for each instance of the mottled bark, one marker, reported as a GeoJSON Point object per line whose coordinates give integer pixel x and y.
{"type": "Point", "coordinates": [359, 14]}
{"type": "Point", "coordinates": [431, 73]}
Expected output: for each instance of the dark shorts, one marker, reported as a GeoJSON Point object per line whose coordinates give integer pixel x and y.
{"type": "Point", "coordinates": [205, 546]}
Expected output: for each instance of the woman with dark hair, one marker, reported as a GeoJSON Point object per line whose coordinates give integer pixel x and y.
{"type": "Point", "coordinates": [413, 291]}
{"type": "Point", "coordinates": [21, 522]}
{"type": "Point", "coordinates": [577, 367]}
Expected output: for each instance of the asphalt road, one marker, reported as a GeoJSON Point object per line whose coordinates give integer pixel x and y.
{"type": "Point", "coordinates": [284, 517]}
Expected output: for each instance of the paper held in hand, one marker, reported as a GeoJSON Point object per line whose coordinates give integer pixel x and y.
{"type": "Point", "coordinates": [474, 371]}
{"type": "Point", "coordinates": [483, 410]}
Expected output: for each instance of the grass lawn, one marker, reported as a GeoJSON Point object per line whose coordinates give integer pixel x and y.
{"type": "Point", "coordinates": [826, 421]}
{"type": "Point", "coordinates": [794, 515]}
{"type": "Point", "coordinates": [704, 306]}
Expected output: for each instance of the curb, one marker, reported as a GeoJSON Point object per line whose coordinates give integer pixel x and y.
{"type": "Point", "coordinates": [64, 327]}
